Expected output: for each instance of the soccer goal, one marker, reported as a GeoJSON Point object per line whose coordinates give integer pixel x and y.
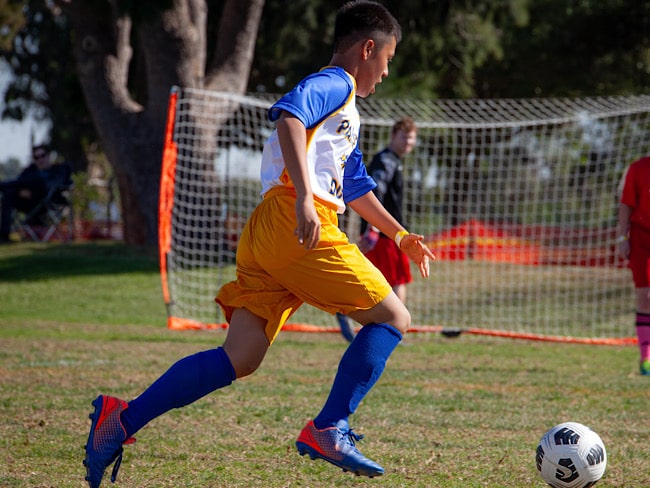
{"type": "Point", "coordinates": [517, 198]}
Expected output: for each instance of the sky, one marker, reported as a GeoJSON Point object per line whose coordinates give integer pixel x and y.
{"type": "Point", "coordinates": [15, 137]}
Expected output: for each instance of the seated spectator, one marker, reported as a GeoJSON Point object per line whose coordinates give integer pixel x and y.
{"type": "Point", "coordinates": [30, 187]}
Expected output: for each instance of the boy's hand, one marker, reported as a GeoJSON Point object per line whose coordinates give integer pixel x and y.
{"type": "Point", "coordinates": [307, 223]}
{"type": "Point", "coordinates": [417, 252]}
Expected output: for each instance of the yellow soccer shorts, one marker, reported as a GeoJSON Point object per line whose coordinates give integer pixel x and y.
{"type": "Point", "coordinates": [276, 275]}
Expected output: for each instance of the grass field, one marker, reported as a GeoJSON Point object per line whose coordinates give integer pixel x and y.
{"type": "Point", "coordinates": [78, 320]}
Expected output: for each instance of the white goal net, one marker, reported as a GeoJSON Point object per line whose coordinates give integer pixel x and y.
{"type": "Point", "coordinates": [517, 198]}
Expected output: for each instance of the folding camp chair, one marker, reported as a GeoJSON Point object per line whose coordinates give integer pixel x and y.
{"type": "Point", "coordinates": [53, 215]}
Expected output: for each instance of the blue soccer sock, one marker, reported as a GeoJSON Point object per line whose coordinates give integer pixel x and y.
{"type": "Point", "coordinates": [185, 382]}
{"type": "Point", "coordinates": [359, 369]}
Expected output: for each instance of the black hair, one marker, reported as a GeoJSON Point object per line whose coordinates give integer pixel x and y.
{"type": "Point", "coordinates": [364, 19]}
{"type": "Point", "coordinates": [41, 147]}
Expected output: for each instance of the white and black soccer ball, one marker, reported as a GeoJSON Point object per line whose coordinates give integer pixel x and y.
{"type": "Point", "coordinates": [571, 455]}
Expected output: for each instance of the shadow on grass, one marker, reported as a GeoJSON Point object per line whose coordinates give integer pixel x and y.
{"type": "Point", "coordinates": [33, 262]}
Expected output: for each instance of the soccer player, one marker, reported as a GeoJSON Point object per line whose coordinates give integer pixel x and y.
{"type": "Point", "coordinates": [634, 245]}
{"type": "Point", "coordinates": [386, 169]}
{"type": "Point", "coordinates": [292, 251]}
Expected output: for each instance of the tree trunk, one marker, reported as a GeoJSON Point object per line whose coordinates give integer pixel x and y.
{"type": "Point", "coordinates": [174, 45]}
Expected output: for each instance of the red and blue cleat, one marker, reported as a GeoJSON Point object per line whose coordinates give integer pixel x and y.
{"type": "Point", "coordinates": [336, 445]}
{"type": "Point", "coordinates": [106, 438]}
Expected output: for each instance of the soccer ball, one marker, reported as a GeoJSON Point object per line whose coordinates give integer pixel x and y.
{"type": "Point", "coordinates": [571, 455]}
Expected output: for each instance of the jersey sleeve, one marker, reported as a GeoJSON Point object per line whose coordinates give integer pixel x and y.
{"type": "Point", "coordinates": [356, 181]}
{"type": "Point", "coordinates": [314, 98]}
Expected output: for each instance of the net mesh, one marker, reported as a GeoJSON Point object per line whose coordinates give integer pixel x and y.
{"type": "Point", "coordinates": [517, 198]}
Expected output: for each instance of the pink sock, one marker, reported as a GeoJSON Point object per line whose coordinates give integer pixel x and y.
{"type": "Point", "coordinates": [643, 334]}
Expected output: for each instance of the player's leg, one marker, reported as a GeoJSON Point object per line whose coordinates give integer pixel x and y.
{"type": "Point", "coordinates": [395, 267]}
{"type": "Point", "coordinates": [643, 328]}
{"type": "Point", "coordinates": [345, 324]}
{"type": "Point", "coordinates": [337, 277]}
{"type": "Point", "coordinates": [347, 329]}
{"type": "Point", "coordinates": [195, 376]}
{"type": "Point", "coordinates": [363, 362]}
{"type": "Point", "coordinates": [328, 436]}
{"type": "Point", "coordinates": [115, 421]}
{"type": "Point", "coordinates": [640, 266]}
{"type": "Point", "coordinates": [247, 342]}
{"type": "Point", "coordinates": [400, 291]}
{"type": "Point", "coordinates": [255, 305]}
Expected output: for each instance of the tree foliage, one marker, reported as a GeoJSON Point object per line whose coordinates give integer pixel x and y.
{"type": "Point", "coordinates": [45, 83]}
{"type": "Point", "coordinates": [444, 42]}
{"type": "Point", "coordinates": [11, 20]}
{"type": "Point", "coordinates": [473, 48]}
{"type": "Point", "coordinates": [576, 48]}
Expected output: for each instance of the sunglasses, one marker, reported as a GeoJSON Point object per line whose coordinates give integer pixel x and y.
{"type": "Point", "coordinates": [40, 155]}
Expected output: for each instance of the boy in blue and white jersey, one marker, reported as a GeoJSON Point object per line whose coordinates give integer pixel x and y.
{"type": "Point", "coordinates": [292, 251]}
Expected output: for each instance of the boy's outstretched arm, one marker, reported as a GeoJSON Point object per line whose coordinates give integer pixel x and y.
{"type": "Point", "coordinates": [371, 210]}
{"type": "Point", "coordinates": [293, 142]}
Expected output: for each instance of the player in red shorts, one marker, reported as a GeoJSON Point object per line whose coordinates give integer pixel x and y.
{"type": "Point", "coordinates": [386, 169]}
{"type": "Point", "coordinates": [634, 245]}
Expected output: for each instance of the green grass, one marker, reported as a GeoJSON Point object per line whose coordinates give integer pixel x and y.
{"type": "Point", "coordinates": [92, 283]}
{"type": "Point", "coordinates": [78, 320]}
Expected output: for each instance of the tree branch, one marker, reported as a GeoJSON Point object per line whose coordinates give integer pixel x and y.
{"type": "Point", "coordinates": [103, 52]}
{"type": "Point", "coordinates": [174, 49]}
{"type": "Point", "coordinates": [230, 66]}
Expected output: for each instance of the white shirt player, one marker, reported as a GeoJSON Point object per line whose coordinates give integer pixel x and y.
{"type": "Point", "coordinates": [325, 103]}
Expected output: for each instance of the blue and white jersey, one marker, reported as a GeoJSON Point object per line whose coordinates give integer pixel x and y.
{"type": "Point", "coordinates": [325, 103]}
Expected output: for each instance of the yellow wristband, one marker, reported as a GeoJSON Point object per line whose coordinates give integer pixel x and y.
{"type": "Point", "coordinates": [399, 236]}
